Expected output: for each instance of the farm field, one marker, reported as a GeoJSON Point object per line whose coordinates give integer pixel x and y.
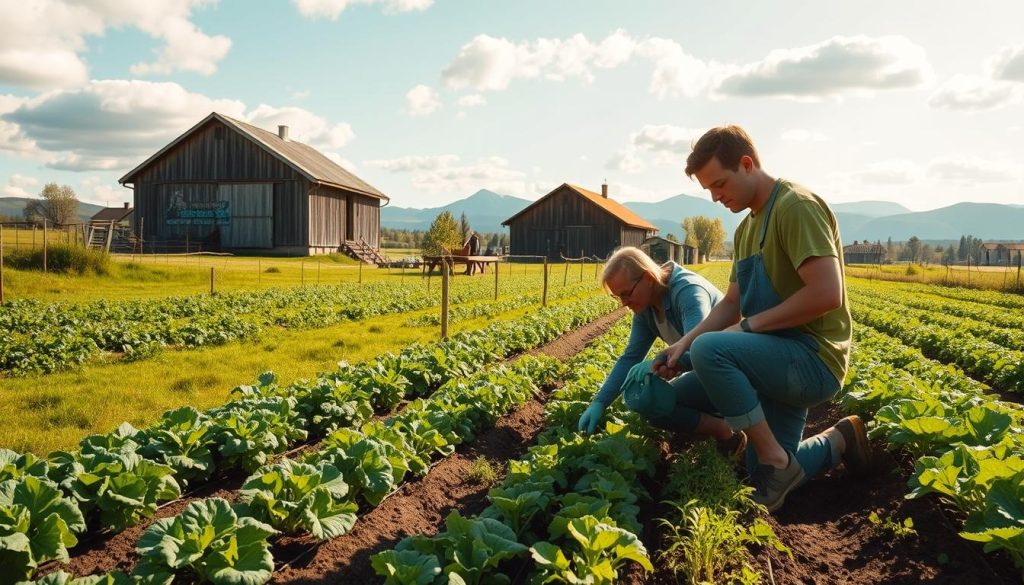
{"type": "Point", "coordinates": [465, 446]}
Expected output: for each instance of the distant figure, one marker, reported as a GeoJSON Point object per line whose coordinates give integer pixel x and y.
{"type": "Point", "coordinates": [472, 248]}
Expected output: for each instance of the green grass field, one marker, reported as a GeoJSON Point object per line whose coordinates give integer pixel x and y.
{"type": "Point", "coordinates": [55, 411]}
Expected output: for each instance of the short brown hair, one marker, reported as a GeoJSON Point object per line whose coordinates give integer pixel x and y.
{"type": "Point", "coordinates": [726, 143]}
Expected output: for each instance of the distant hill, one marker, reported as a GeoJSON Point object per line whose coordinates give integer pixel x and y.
{"type": "Point", "coordinates": [862, 220]}
{"type": "Point", "coordinates": [988, 221]}
{"type": "Point", "coordinates": [14, 206]}
{"type": "Point", "coordinates": [870, 208]}
{"type": "Point", "coordinates": [484, 209]}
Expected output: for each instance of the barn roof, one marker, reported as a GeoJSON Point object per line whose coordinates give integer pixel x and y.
{"type": "Point", "coordinates": [656, 239]}
{"type": "Point", "coordinates": [611, 206]}
{"type": "Point", "coordinates": [304, 158]}
{"type": "Point", "coordinates": [114, 214]}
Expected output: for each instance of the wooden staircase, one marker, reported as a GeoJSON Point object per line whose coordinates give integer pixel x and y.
{"type": "Point", "coordinates": [362, 251]}
{"type": "Point", "coordinates": [100, 236]}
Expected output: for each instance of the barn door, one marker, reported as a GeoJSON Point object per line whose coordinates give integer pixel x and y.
{"type": "Point", "coordinates": [251, 215]}
{"type": "Point", "coordinates": [577, 238]}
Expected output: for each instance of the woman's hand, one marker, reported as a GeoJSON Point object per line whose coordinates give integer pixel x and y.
{"type": "Point", "coordinates": [666, 363]}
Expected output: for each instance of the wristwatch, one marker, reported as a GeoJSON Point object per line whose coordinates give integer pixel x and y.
{"type": "Point", "coordinates": [745, 325]}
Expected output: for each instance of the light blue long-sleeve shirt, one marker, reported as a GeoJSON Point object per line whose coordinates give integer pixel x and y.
{"type": "Point", "coordinates": [687, 302]}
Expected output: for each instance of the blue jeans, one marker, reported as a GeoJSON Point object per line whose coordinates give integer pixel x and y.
{"type": "Point", "coordinates": [747, 378]}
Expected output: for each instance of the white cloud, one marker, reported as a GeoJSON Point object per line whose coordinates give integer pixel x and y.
{"type": "Point", "coordinates": [487, 63]}
{"type": "Point", "coordinates": [676, 73]}
{"type": "Point", "coordinates": [831, 68]}
{"type": "Point", "coordinates": [113, 125]}
{"type": "Point", "coordinates": [332, 9]}
{"type": "Point", "coordinates": [414, 163]}
{"type": "Point", "coordinates": [965, 92]}
{"type": "Point", "coordinates": [834, 67]}
{"type": "Point", "coordinates": [627, 161]}
{"type": "Point", "coordinates": [447, 174]}
{"type": "Point", "coordinates": [303, 126]}
{"type": "Point", "coordinates": [42, 42]}
{"type": "Point", "coordinates": [94, 188]}
{"type": "Point", "coordinates": [667, 144]}
{"type": "Point", "coordinates": [19, 186]}
{"type": "Point", "coordinates": [970, 169]}
{"type": "Point", "coordinates": [471, 101]}
{"type": "Point", "coordinates": [422, 100]}
{"type": "Point", "coordinates": [1008, 64]}
{"type": "Point", "coordinates": [803, 135]}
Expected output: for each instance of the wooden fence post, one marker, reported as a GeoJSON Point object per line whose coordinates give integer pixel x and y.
{"type": "Point", "coordinates": [565, 277]}
{"type": "Point", "coordinates": [583, 260]}
{"type": "Point", "coordinates": [496, 271]}
{"type": "Point", "coordinates": [45, 246]}
{"type": "Point", "coordinates": [544, 297]}
{"type": "Point", "coordinates": [360, 271]}
{"type": "Point", "coordinates": [211, 281]}
{"type": "Point", "coordinates": [444, 299]}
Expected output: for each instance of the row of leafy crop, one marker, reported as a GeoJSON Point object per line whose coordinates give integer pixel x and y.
{"type": "Point", "coordinates": [930, 300]}
{"type": "Point", "coordinates": [320, 495]}
{"type": "Point", "coordinates": [38, 337]}
{"type": "Point", "coordinates": [985, 297]}
{"type": "Point", "coordinates": [987, 361]}
{"type": "Point", "coordinates": [567, 512]}
{"type": "Point", "coordinates": [119, 478]}
{"type": "Point", "coordinates": [968, 444]}
{"type": "Point", "coordinates": [490, 309]}
{"type": "Point", "coordinates": [939, 314]}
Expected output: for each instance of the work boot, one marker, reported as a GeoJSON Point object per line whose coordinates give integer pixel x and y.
{"type": "Point", "coordinates": [734, 447]}
{"type": "Point", "coordinates": [857, 456]}
{"type": "Point", "coordinates": [771, 485]}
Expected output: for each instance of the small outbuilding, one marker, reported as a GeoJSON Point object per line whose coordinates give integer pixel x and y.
{"type": "Point", "coordinates": [1001, 254]}
{"type": "Point", "coordinates": [664, 250]}
{"type": "Point", "coordinates": [571, 221]}
{"type": "Point", "coordinates": [866, 253]}
{"type": "Point", "coordinates": [229, 185]}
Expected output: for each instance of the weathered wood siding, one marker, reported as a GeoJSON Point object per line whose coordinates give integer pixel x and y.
{"type": "Point", "coordinates": [195, 169]}
{"type": "Point", "coordinates": [566, 223]}
{"type": "Point", "coordinates": [366, 219]}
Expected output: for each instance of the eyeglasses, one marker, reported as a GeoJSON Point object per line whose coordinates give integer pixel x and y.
{"type": "Point", "coordinates": [629, 295]}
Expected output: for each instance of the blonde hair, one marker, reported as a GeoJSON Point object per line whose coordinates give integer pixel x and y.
{"type": "Point", "coordinates": [634, 262]}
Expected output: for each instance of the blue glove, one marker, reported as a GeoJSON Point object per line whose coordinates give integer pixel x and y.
{"type": "Point", "coordinates": [591, 416]}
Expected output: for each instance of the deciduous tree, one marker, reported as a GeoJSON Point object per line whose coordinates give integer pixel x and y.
{"type": "Point", "coordinates": [57, 204]}
{"type": "Point", "coordinates": [705, 233]}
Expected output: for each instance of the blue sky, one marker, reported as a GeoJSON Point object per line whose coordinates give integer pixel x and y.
{"type": "Point", "coordinates": [921, 103]}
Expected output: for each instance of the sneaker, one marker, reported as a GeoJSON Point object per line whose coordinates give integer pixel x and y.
{"type": "Point", "coordinates": [771, 485]}
{"type": "Point", "coordinates": [857, 456]}
{"type": "Point", "coordinates": [734, 447]}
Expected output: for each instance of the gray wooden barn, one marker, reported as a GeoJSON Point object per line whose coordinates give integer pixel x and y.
{"type": "Point", "coordinates": [571, 220]}
{"type": "Point", "coordinates": [225, 184]}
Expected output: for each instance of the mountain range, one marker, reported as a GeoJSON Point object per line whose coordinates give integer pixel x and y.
{"type": "Point", "coordinates": [14, 206]}
{"type": "Point", "coordinates": [862, 220]}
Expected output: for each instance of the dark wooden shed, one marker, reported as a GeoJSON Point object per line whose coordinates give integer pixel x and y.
{"type": "Point", "coordinates": [864, 253]}
{"type": "Point", "coordinates": [234, 186]}
{"type": "Point", "coordinates": [663, 250]}
{"type": "Point", "coordinates": [571, 220]}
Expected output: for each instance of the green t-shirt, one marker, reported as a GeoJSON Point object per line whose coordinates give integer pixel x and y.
{"type": "Point", "coordinates": [800, 226]}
